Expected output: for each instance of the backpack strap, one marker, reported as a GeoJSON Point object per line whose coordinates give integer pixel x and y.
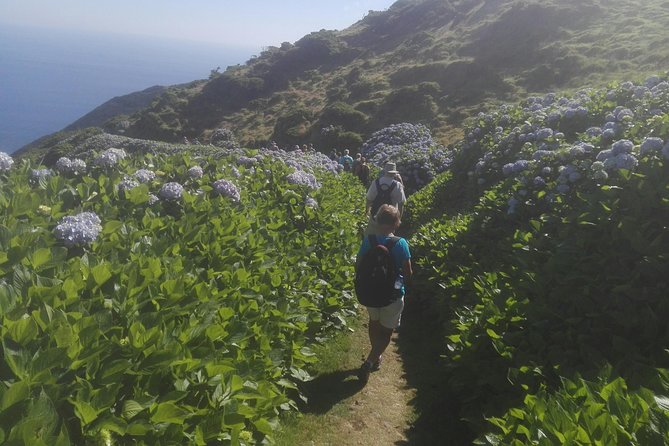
{"type": "Point", "coordinates": [373, 241]}
{"type": "Point", "coordinates": [391, 242]}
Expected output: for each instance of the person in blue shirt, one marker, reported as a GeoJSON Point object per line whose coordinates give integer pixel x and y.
{"type": "Point", "coordinates": [383, 321]}
{"type": "Point", "coordinates": [346, 161]}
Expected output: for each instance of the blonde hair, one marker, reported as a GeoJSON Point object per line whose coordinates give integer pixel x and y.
{"type": "Point", "coordinates": [388, 215]}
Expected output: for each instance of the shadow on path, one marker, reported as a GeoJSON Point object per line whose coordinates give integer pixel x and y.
{"type": "Point", "coordinates": [328, 389]}
{"type": "Point", "coordinates": [421, 348]}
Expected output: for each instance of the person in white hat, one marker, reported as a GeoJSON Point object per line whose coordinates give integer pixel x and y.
{"type": "Point", "coordinates": [387, 189]}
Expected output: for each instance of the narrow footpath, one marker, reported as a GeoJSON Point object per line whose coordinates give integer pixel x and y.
{"type": "Point", "coordinates": [405, 403]}
{"type": "Point", "coordinates": [341, 411]}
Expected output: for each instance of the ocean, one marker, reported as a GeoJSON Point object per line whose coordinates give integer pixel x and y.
{"type": "Point", "coordinates": [50, 78]}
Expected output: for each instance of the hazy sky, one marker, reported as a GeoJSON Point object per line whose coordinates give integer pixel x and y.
{"type": "Point", "coordinates": [250, 23]}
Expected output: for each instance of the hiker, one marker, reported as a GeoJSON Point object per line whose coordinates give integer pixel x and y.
{"type": "Point", "coordinates": [363, 172]}
{"type": "Point", "coordinates": [383, 297]}
{"type": "Point", "coordinates": [384, 190]}
{"type": "Point", "coordinates": [346, 161]}
{"type": "Point", "coordinates": [356, 164]}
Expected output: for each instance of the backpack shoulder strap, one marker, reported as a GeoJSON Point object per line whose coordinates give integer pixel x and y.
{"type": "Point", "coordinates": [391, 242]}
{"type": "Point", "coordinates": [392, 186]}
{"type": "Point", "coordinates": [373, 241]}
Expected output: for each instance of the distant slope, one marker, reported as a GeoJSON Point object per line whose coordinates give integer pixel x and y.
{"type": "Point", "coordinates": [120, 105]}
{"type": "Point", "coordinates": [424, 61]}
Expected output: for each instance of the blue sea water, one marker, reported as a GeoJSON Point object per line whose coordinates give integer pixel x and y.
{"type": "Point", "coordinates": [50, 78]}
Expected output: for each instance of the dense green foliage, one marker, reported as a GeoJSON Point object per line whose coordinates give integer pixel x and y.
{"type": "Point", "coordinates": [554, 298]}
{"type": "Point", "coordinates": [185, 322]}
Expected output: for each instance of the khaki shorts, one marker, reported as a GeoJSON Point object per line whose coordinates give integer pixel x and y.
{"type": "Point", "coordinates": [389, 316]}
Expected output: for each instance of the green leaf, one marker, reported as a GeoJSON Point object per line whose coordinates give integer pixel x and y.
{"type": "Point", "coordinates": [17, 392]}
{"type": "Point", "coordinates": [169, 413]}
{"type": "Point", "coordinates": [662, 402]}
{"type": "Point", "coordinates": [111, 227]}
{"type": "Point", "coordinates": [40, 257]}
{"type": "Point", "coordinates": [101, 273]}
{"type": "Point", "coordinates": [24, 330]}
{"type": "Point", "coordinates": [84, 411]}
{"type": "Point", "coordinates": [131, 408]}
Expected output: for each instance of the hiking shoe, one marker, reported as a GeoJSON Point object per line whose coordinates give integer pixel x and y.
{"type": "Point", "coordinates": [377, 365]}
{"type": "Point", "coordinates": [364, 371]}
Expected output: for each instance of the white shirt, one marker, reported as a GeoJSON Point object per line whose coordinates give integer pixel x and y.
{"type": "Point", "coordinates": [397, 195]}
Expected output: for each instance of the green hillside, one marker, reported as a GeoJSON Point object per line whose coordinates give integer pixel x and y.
{"type": "Point", "coordinates": [430, 61]}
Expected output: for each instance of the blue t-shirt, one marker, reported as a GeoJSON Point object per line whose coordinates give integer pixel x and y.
{"type": "Point", "coordinates": [400, 252]}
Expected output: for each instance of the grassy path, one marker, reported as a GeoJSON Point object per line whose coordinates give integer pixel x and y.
{"type": "Point", "coordinates": [405, 403]}
{"type": "Point", "coordinates": [341, 411]}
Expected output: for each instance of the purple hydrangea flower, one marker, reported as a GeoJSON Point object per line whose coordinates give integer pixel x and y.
{"type": "Point", "coordinates": [145, 175]}
{"type": "Point", "coordinates": [303, 178]}
{"type": "Point", "coordinates": [227, 189]}
{"type": "Point", "coordinates": [651, 145]}
{"type": "Point", "coordinates": [310, 202]}
{"type": "Point", "coordinates": [171, 191]}
{"type": "Point", "coordinates": [622, 146]}
{"type": "Point", "coordinates": [78, 230]}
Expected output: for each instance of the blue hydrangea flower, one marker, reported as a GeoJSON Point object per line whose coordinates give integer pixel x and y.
{"type": "Point", "coordinates": [78, 230]}
{"type": "Point", "coordinates": [153, 199]}
{"type": "Point", "coordinates": [303, 178]}
{"type": "Point", "coordinates": [37, 174]}
{"type": "Point", "coordinates": [227, 189]}
{"type": "Point", "coordinates": [171, 191]}
{"type": "Point", "coordinates": [195, 172]}
{"type": "Point", "coordinates": [544, 134]}
{"type": "Point", "coordinates": [63, 165]}
{"type": "Point", "coordinates": [622, 146]}
{"type": "Point", "coordinates": [600, 175]}
{"type": "Point", "coordinates": [6, 162]}
{"type": "Point", "coordinates": [651, 145]}
{"type": "Point", "coordinates": [145, 175]}
{"type": "Point", "coordinates": [310, 202]}
{"type": "Point", "coordinates": [246, 161]}
{"type": "Point", "coordinates": [127, 184]}
{"type": "Point", "coordinates": [109, 158]}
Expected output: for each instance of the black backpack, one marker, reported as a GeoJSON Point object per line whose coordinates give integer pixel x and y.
{"type": "Point", "coordinates": [376, 274]}
{"type": "Point", "coordinates": [383, 195]}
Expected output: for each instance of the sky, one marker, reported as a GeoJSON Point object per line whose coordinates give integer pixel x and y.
{"type": "Point", "coordinates": [250, 23]}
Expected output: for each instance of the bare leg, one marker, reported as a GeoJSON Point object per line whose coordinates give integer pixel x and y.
{"type": "Point", "coordinates": [379, 337]}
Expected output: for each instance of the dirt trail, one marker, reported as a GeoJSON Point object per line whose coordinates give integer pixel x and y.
{"type": "Point", "coordinates": [343, 412]}
{"type": "Point", "coordinates": [380, 413]}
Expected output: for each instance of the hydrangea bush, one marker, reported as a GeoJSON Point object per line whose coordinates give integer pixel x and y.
{"type": "Point", "coordinates": [418, 158]}
{"type": "Point", "coordinates": [167, 315]}
{"type": "Point", "coordinates": [548, 250]}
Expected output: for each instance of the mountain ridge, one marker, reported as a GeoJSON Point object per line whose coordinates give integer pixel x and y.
{"type": "Point", "coordinates": [433, 62]}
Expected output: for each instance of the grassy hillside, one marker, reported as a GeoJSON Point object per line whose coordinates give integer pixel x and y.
{"type": "Point", "coordinates": [430, 62]}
